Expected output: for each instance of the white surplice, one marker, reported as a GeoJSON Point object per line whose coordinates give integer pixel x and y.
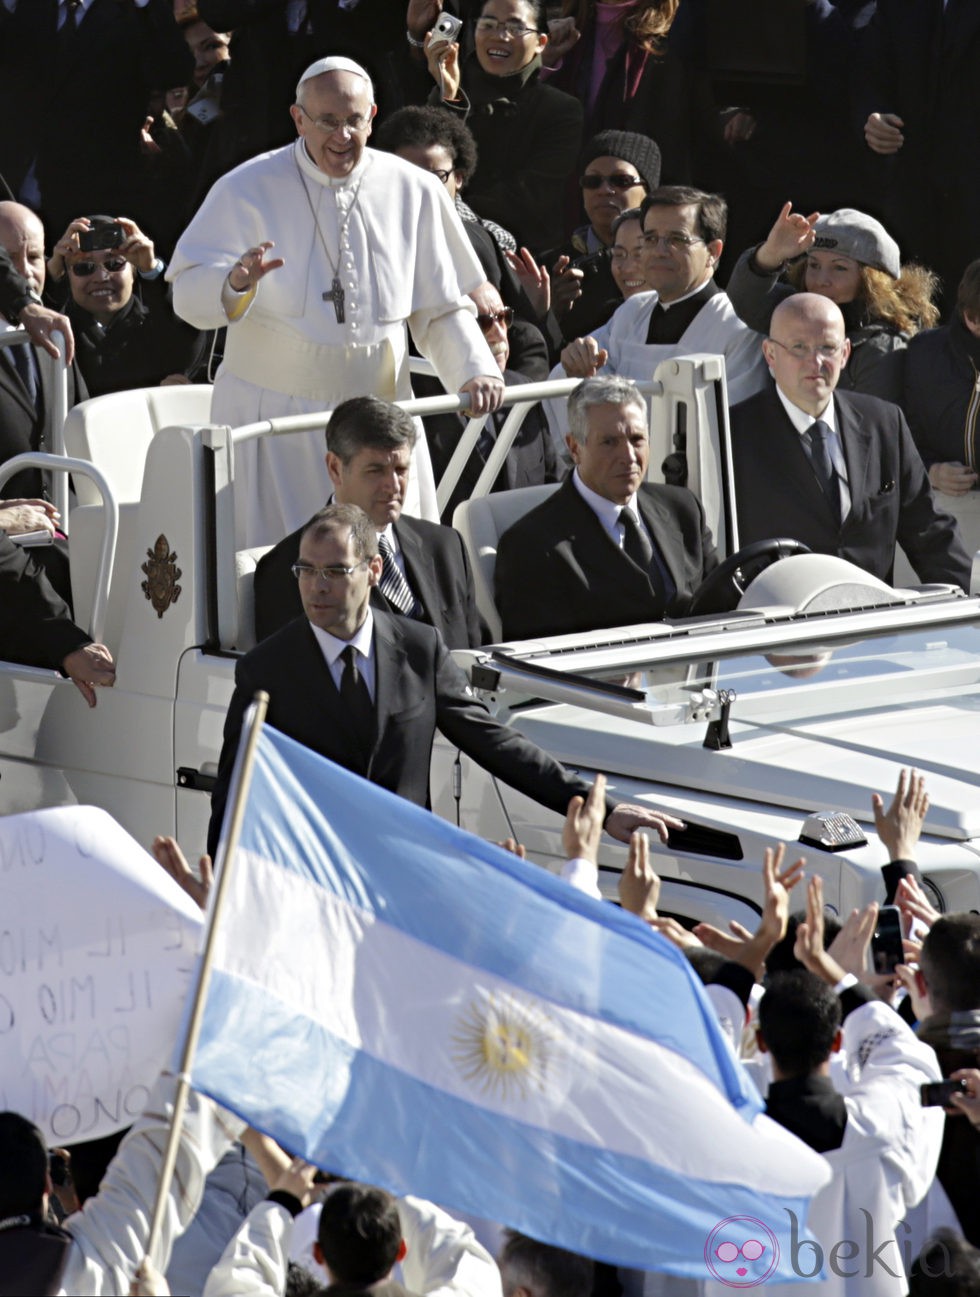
{"type": "Point", "coordinates": [389, 233]}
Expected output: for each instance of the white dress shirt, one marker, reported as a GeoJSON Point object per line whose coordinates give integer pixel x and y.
{"type": "Point", "coordinates": [608, 511]}
{"type": "Point", "coordinates": [331, 647]}
{"type": "Point", "coordinates": [803, 422]}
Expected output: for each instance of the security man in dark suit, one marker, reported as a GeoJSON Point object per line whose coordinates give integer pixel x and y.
{"type": "Point", "coordinates": [368, 689]}
{"type": "Point", "coordinates": [837, 471]}
{"type": "Point", "coordinates": [425, 572]}
{"type": "Point", "coordinates": [608, 548]}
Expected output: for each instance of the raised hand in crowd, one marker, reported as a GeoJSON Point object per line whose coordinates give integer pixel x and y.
{"type": "Point", "coordinates": [750, 949]}
{"type": "Point", "coordinates": [809, 948]}
{"type": "Point", "coordinates": [442, 59]}
{"type": "Point", "coordinates": [67, 244]}
{"type": "Point", "coordinates": [583, 358]}
{"type": "Point", "coordinates": [515, 848]}
{"type": "Point", "coordinates": [739, 126]}
{"type": "Point", "coordinates": [900, 826]}
{"type": "Point", "coordinates": [883, 132]}
{"type": "Point", "coordinates": [566, 285]}
{"type": "Point", "coordinates": [639, 883]}
{"type": "Point", "coordinates": [533, 278]}
{"type": "Point", "coordinates": [582, 829]}
{"type": "Point", "coordinates": [791, 236]}
{"type": "Point", "coordinates": [914, 904]}
{"type": "Point", "coordinates": [167, 854]}
{"type": "Point", "coordinates": [420, 17]}
{"type": "Point", "coordinates": [969, 1103]}
{"type": "Point", "coordinates": [909, 976]}
{"type": "Point", "coordinates": [563, 36]}
{"type": "Point", "coordinates": [18, 517]}
{"type": "Point", "coordinates": [89, 668]}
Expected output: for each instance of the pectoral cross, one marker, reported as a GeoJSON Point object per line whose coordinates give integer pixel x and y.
{"type": "Point", "coordinates": [336, 295]}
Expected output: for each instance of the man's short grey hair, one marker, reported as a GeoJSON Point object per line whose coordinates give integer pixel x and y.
{"type": "Point", "coordinates": [600, 391]}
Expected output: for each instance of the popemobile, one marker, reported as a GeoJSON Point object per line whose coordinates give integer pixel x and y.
{"type": "Point", "coordinates": [799, 686]}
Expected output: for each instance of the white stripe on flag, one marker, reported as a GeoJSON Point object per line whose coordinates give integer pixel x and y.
{"type": "Point", "coordinates": [480, 1038]}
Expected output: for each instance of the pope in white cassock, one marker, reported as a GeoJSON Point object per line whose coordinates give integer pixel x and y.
{"type": "Point", "coordinates": [369, 243]}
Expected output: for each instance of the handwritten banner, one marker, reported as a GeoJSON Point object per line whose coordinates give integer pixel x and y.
{"type": "Point", "coordinates": [97, 948]}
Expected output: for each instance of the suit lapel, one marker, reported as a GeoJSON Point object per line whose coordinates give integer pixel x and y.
{"type": "Point", "coordinates": [787, 463]}
{"type": "Point", "coordinates": [608, 565]}
{"type": "Point", "coordinates": [389, 663]}
{"type": "Point", "coordinates": [660, 524]}
{"type": "Point", "coordinates": [417, 569]}
{"type": "Point", "coordinates": [856, 440]}
{"type": "Point", "coordinates": [10, 382]}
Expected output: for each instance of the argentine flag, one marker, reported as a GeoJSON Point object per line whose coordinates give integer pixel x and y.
{"type": "Point", "coordinates": [400, 1002]}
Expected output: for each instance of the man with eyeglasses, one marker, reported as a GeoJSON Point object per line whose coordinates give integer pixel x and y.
{"type": "Point", "coordinates": [368, 689]}
{"type": "Point", "coordinates": [531, 460]}
{"type": "Point", "coordinates": [835, 470]}
{"type": "Point", "coordinates": [317, 256]}
{"type": "Point", "coordinates": [685, 311]}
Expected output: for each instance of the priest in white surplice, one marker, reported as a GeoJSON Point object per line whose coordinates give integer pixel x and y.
{"type": "Point", "coordinates": [364, 243]}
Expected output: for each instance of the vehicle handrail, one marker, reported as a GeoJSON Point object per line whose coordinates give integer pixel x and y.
{"type": "Point", "coordinates": [518, 397]}
{"type": "Point", "coordinates": [59, 406]}
{"type": "Point", "coordinates": [63, 465]}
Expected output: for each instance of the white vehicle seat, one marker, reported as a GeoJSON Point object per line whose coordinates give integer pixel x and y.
{"type": "Point", "coordinates": [114, 433]}
{"type": "Point", "coordinates": [481, 523]}
{"type": "Point", "coordinates": [245, 564]}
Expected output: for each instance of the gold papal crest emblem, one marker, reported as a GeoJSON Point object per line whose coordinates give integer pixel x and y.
{"type": "Point", "coordinates": [505, 1045]}
{"type": "Point", "coordinates": [162, 575]}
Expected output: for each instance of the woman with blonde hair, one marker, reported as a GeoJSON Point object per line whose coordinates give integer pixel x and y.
{"type": "Point", "coordinates": [851, 258]}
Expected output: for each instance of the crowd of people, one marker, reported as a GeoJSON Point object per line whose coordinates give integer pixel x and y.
{"type": "Point", "coordinates": [288, 199]}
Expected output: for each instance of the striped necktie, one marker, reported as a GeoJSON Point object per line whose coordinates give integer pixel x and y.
{"type": "Point", "coordinates": [394, 587]}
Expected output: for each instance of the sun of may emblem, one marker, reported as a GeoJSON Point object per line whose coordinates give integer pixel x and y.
{"type": "Point", "coordinates": [504, 1045]}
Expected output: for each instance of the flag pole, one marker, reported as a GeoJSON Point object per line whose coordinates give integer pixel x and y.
{"type": "Point", "coordinates": [241, 780]}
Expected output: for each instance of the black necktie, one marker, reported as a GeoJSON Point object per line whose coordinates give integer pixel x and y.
{"type": "Point", "coordinates": [816, 440]}
{"type": "Point", "coordinates": [23, 358]}
{"type": "Point", "coordinates": [636, 545]}
{"type": "Point", "coordinates": [67, 30]}
{"type": "Point", "coordinates": [357, 702]}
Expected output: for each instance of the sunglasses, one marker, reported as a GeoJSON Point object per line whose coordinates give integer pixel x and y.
{"type": "Point", "coordinates": [620, 180]}
{"type": "Point", "coordinates": [504, 316]}
{"type": "Point", "coordinates": [82, 269]}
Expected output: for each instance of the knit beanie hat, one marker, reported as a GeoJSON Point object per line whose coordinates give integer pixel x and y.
{"type": "Point", "coordinates": [856, 235]}
{"type": "Point", "coordinates": [640, 150]}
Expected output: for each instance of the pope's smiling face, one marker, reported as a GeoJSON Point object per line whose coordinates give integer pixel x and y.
{"type": "Point", "coordinates": [333, 115]}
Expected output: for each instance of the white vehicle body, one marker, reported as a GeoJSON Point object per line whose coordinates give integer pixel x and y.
{"type": "Point", "coordinates": [901, 685]}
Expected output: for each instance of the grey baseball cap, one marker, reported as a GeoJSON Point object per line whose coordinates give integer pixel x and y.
{"type": "Point", "coordinates": [857, 235]}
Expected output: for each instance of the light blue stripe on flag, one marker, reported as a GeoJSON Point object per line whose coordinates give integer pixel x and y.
{"type": "Point", "coordinates": [399, 1001]}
